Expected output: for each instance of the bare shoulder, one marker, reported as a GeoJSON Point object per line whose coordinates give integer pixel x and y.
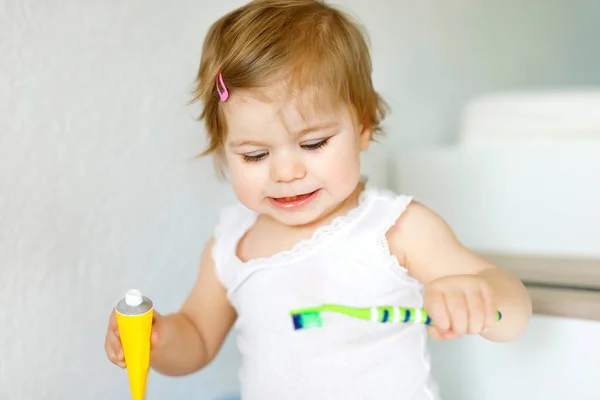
{"type": "Point", "coordinates": [418, 222]}
{"type": "Point", "coordinates": [428, 247]}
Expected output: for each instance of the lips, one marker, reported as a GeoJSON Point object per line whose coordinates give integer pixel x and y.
{"type": "Point", "coordinates": [293, 202]}
{"type": "Point", "coordinates": [293, 198]}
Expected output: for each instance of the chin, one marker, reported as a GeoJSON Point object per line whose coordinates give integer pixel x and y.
{"type": "Point", "coordinates": [300, 217]}
{"type": "Point", "coordinates": [303, 217]}
{"type": "Point", "coordinates": [295, 218]}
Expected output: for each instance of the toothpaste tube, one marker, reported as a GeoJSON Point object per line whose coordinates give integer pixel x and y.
{"type": "Point", "coordinates": [134, 317]}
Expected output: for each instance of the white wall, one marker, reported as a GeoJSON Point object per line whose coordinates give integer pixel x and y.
{"type": "Point", "coordinates": [437, 54]}
{"type": "Point", "coordinates": [98, 191]}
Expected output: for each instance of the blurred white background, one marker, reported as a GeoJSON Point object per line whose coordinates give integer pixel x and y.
{"type": "Point", "coordinates": [99, 191]}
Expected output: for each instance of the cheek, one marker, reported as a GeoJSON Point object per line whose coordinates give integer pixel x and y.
{"type": "Point", "coordinates": [341, 165]}
{"type": "Point", "coordinates": [246, 181]}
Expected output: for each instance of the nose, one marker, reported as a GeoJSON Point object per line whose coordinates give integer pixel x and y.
{"type": "Point", "coordinates": [287, 167]}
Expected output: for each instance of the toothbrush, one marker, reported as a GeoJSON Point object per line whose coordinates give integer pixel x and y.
{"type": "Point", "coordinates": [306, 318]}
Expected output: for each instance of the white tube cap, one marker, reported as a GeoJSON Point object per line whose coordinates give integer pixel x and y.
{"type": "Point", "coordinates": [133, 298]}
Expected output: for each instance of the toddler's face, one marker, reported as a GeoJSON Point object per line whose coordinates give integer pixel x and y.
{"type": "Point", "coordinates": [293, 167]}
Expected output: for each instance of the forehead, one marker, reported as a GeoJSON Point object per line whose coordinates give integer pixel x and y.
{"type": "Point", "coordinates": [273, 108]}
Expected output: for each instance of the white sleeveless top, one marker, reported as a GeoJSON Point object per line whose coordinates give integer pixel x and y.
{"type": "Point", "coordinates": [346, 262]}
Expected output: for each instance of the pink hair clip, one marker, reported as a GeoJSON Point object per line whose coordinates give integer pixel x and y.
{"type": "Point", "coordinates": [223, 94]}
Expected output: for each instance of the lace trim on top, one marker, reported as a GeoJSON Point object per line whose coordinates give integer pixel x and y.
{"type": "Point", "coordinates": [303, 247]}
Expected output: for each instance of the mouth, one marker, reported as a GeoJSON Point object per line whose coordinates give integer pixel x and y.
{"type": "Point", "coordinates": [292, 202]}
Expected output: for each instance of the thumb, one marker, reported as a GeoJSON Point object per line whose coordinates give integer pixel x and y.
{"type": "Point", "coordinates": [437, 334]}
{"type": "Point", "coordinates": [434, 333]}
{"type": "Point", "coordinates": [155, 336]}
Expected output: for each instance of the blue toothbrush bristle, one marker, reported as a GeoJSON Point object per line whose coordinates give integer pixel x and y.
{"type": "Point", "coordinates": [307, 320]}
{"type": "Point", "coordinates": [297, 319]}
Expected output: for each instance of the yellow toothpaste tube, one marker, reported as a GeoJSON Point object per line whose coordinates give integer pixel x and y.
{"type": "Point", "coordinates": [134, 317]}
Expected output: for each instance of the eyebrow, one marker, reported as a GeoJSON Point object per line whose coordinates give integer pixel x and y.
{"type": "Point", "coordinates": [241, 143]}
{"type": "Point", "coordinates": [316, 128]}
{"type": "Point", "coordinates": [296, 135]}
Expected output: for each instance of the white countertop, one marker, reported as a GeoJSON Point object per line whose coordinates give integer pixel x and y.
{"type": "Point", "coordinates": [564, 287]}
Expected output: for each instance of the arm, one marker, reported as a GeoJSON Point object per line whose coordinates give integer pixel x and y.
{"type": "Point", "coordinates": [190, 339]}
{"type": "Point", "coordinates": [462, 290]}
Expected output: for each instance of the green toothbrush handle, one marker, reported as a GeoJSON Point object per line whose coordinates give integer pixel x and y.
{"type": "Point", "coordinates": [386, 314]}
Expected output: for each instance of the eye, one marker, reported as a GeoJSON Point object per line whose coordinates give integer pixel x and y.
{"type": "Point", "coordinates": [254, 157]}
{"type": "Point", "coordinates": [315, 144]}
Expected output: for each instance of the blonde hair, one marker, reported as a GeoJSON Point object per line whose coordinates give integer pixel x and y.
{"type": "Point", "coordinates": [312, 44]}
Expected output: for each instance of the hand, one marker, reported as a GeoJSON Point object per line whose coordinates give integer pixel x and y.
{"type": "Point", "coordinates": [459, 305]}
{"type": "Point", "coordinates": [112, 343]}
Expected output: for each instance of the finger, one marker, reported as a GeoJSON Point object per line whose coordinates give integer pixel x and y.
{"type": "Point", "coordinates": [154, 337]}
{"type": "Point", "coordinates": [113, 338]}
{"type": "Point", "coordinates": [113, 325]}
{"type": "Point", "coordinates": [438, 334]}
{"type": "Point", "coordinates": [121, 364]}
{"type": "Point", "coordinates": [435, 305]}
{"type": "Point", "coordinates": [115, 345]}
{"type": "Point", "coordinates": [114, 350]}
{"type": "Point", "coordinates": [434, 333]}
{"type": "Point", "coordinates": [490, 306]}
{"type": "Point", "coordinates": [477, 313]}
{"type": "Point", "coordinates": [449, 335]}
{"type": "Point", "coordinates": [112, 321]}
{"type": "Point", "coordinates": [458, 310]}
{"type": "Point", "coordinates": [156, 317]}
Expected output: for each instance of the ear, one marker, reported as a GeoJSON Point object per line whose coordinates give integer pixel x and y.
{"type": "Point", "coordinates": [365, 136]}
